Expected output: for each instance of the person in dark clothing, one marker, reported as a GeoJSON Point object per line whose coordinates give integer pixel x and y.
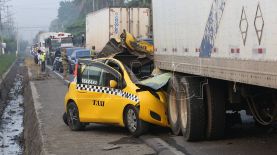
{"type": "Point", "coordinates": [57, 54]}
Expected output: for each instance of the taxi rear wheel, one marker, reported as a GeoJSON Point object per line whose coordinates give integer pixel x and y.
{"type": "Point", "coordinates": [73, 117]}
{"type": "Point", "coordinates": [65, 119]}
{"type": "Point", "coordinates": [131, 119]}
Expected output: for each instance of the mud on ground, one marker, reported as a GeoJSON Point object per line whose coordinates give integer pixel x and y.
{"type": "Point", "coordinates": [18, 69]}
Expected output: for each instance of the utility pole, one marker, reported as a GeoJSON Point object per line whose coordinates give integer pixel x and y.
{"type": "Point", "coordinates": [1, 28]}
{"type": "Point", "coordinates": [17, 41]}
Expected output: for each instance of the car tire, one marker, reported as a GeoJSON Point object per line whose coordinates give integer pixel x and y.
{"type": "Point", "coordinates": [215, 98]}
{"type": "Point", "coordinates": [132, 122]}
{"type": "Point", "coordinates": [65, 119]}
{"type": "Point", "coordinates": [192, 109]}
{"type": "Point", "coordinates": [73, 117]}
{"type": "Point", "coordinates": [173, 106]}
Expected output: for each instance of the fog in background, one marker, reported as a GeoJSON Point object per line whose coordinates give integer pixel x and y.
{"type": "Point", "coordinates": [33, 15]}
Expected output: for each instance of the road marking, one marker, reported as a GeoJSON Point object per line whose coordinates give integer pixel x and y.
{"type": "Point", "coordinates": [59, 75]}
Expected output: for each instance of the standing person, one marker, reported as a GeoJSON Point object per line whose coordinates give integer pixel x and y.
{"type": "Point", "coordinates": [83, 40]}
{"type": "Point", "coordinates": [64, 62]}
{"type": "Point", "coordinates": [56, 56]}
{"type": "Point", "coordinates": [92, 52]}
{"type": "Point", "coordinates": [123, 38]}
{"type": "Point", "coordinates": [38, 56]}
{"type": "Point", "coordinates": [42, 60]}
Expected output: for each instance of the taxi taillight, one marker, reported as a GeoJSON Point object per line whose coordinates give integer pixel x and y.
{"type": "Point", "coordinates": [76, 70]}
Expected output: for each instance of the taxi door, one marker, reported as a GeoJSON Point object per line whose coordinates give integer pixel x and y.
{"type": "Point", "coordinates": [95, 92]}
{"type": "Point", "coordinates": [88, 79]}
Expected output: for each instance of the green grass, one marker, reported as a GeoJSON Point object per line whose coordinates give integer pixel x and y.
{"type": "Point", "coordinates": [5, 62]}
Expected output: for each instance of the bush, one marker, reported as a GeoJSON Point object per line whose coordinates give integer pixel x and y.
{"type": "Point", "coordinates": [5, 62]}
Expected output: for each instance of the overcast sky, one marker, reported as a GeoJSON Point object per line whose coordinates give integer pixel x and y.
{"type": "Point", "coordinates": [33, 15]}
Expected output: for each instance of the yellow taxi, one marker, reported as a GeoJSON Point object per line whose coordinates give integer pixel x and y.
{"type": "Point", "coordinates": [107, 91]}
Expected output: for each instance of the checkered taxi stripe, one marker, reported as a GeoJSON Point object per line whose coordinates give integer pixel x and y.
{"type": "Point", "coordinates": [107, 90]}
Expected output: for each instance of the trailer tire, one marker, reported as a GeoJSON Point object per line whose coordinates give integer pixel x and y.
{"type": "Point", "coordinates": [192, 109]}
{"type": "Point", "coordinates": [215, 99]}
{"type": "Point", "coordinates": [173, 106]}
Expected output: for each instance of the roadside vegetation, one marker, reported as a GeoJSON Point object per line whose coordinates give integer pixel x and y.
{"type": "Point", "coordinates": [5, 62]}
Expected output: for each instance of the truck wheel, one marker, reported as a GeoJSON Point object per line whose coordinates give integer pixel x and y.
{"type": "Point", "coordinates": [215, 99]}
{"type": "Point", "coordinates": [173, 106]}
{"type": "Point", "coordinates": [192, 109]}
{"type": "Point", "coordinates": [131, 119]}
{"type": "Point", "coordinates": [73, 117]}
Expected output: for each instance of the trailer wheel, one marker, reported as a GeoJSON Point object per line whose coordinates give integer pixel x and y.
{"type": "Point", "coordinates": [173, 106]}
{"type": "Point", "coordinates": [192, 109]}
{"type": "Point", "coordinates": [215, 99]}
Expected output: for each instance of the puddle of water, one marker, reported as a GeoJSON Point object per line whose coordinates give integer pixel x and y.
{"type": "Point", "coordinates": [11, 127]}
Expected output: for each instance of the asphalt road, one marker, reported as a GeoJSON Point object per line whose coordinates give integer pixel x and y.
{"type": "Point", "coordinates": [245, 138]}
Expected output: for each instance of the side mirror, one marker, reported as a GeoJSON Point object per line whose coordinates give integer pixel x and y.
{"type": "Point", "coordinates": [113, 84]}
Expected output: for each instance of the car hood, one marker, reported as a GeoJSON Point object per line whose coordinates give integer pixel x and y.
{"type": "Point", "coordinates": [156, 82]}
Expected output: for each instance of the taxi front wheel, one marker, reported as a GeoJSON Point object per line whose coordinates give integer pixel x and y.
{"type": "Point", "coordinates": [73, 117]}
{"type": "Point", "coordinates": [131, 119]}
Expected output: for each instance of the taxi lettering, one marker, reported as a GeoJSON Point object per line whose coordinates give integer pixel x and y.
{"type": "Point", "coordinates": [98, 103]}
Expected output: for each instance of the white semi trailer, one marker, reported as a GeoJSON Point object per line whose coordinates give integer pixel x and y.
{"type": "Point", "coordinates": [223, 54]}
{"type": "Point", "coordinates": [107, 23]}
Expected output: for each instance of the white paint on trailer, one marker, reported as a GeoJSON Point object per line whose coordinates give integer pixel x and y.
{"type": "Point", "coordinates": [97, 29]}
{"type": "Point", "coordinates": [110, 23]}
{"type": "Point", "coordinates": [181, 25]}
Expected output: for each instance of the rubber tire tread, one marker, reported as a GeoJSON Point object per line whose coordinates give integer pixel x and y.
{"type": "Point", "coordinates": [196, 119]}
{"type": "Point", "coordinates": [65, 118]}
{"type": "Point", "coordinates": [78, 126]}
{"type": "Point", "coordinates": [215, 109]}
{"type": "Point", "coordinates": [175, 126]}
{"type": "Point", "coordinates": [142, 126]}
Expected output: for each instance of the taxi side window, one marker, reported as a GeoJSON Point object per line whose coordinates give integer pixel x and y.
{"type": "Point", "coordinates": [91, 75]}
{"type": "Point", "coordinates": [115, 66]}
{"type": "Point", "coordinates": [106, 77]}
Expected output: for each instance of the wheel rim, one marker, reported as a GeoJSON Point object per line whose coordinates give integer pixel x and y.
{"type": "Point", "coordinates": [183, 111]}
{"type": "Point", "coordinates": [132, 120]}
{"type": "Point", "coordinates": [173, 106]}
{"type": "Point", "coordinates": [72, 111]}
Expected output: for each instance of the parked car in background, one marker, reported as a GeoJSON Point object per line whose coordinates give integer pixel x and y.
{"type": "Point", "coordinates": [76, 55]}
{"type": "Point", "coordinates": [57, 65]}
{"type": "Point", "coordinates": [70, 50]}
